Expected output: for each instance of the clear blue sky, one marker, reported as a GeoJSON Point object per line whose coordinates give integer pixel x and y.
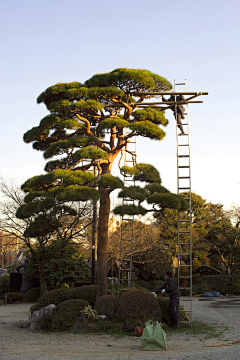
{"type": "Point", "coordinates": [49, 41]}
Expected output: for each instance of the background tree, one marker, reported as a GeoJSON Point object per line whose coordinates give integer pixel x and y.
{"type": "Point", "coordinates": [68, 266]}
{"type": "Point", "coordinates": [149, 255]}
{"type": "Point", "coordinates": [33, 227]}
{"type": "Point", "coordinates": [73, 137]}
{"type": "Point", "coordinates": [215, 239]}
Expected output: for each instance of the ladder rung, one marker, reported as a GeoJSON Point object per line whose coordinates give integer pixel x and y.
{"type": "Point", "coordinates": [184, 177]}
{"type": "Point", "coordinates": [184, 277]}
{"type": "Point", "coordinates": [184, 254]}
{"type": "Point", "coordinates": [184, 188]}
{"type": "Point", "coordinates": [184, 232]}
{"type": "Point", "coordinates": [182, 156]}
{"type": "Point", "coordinates": [184, 145]}
{"type": "Point", "coordinates": [184, 167]}
{"type": "Point", "coordinates": [181, 84]}
{"type": "Point", "coordinates": [182, 134]}
{"type": "Point", "coordinates": [184, 265]}
{"type": "Point", "coordinates": [184, 243]}
{"type": "Point", "coordinates": [184, 220]}
{"type": "Point", "coordinates": [184, 288]}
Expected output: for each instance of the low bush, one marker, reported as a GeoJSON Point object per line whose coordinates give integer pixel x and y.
{"type": "Point", "coordinates": [107, 305]}
{"type": "Point", "coordinates": [225, 284]}
{"type": "Point", "coordinates": [33, 294]}
{"type": "Point", "coordinates": [13, 296]}
{"type": "Point", "coordinates": [54, 297]}
{"type": "Point", "coordinates": [138, 306]}
{"type": "Point", "coordinates": [166, 316]}
{"type": "Point", "coordinates": [89, 313]}
{"type": "Point", "coordinates": [85, 292]}
{"type": "Point", "coordinates": [65, 314]}
{"type": "Point", "coordinates": [164, 305]}
{"type": "Point", "coordinates": [4, 284]}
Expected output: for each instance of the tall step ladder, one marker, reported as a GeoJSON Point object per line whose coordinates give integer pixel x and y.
{"type": "Point", "coordinates": [125, 278]}
{"type": "Point", "coordinates": [184, 217]}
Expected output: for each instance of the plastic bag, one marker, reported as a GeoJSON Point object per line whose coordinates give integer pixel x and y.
{"type": "Point", "coordinates": [153, 337]}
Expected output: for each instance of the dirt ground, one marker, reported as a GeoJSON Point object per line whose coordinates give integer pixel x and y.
{"type": "Point", "coordinates": [17, 341]}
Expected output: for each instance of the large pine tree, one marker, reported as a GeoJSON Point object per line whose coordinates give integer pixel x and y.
{"type": "Point", "coordinates": [86, 129]}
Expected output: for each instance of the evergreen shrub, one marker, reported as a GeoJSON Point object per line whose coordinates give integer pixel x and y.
{"type": "Point", "coordinates": [4, 284]}
{"type": "Point", "coordinates": [107, 305]}
{"type": "Point", "coordinates": [33, 294]}
{"type": "Point", "coordinates": [65, 314]}
{"type": "Point", "coordinates": [138, 306]}
{"type": "Point", "coordinates": [225, 284]}
{"type": "Point", "coordinates": [166, 316]}
{"type": "Point", "coordinates": [164, 305]}
{"type": "Point", "coordinates": [85, 292]}
{"type": "Point", "coordinates": [54, 297]}
{"type": "Point", "coordinates": [13, 296]}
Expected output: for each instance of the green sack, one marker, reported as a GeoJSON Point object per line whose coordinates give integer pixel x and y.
{"type": "Point", "coordinates": [153, 337]}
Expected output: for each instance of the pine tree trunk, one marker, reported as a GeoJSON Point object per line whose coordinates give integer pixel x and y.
{"type": "Point", "coordinates": [104, 212]}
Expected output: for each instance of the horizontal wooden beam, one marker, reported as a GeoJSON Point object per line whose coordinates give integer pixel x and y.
{"type": "Point", "coordinates": [170, 93]}
{"type": "Point", "coordinates": [152, 104]}
{"type": "Point", "coordinates": [171, 102]}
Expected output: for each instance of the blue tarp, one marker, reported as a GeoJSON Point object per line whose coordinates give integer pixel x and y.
{"type": "Point", "coordinates": [211, 293]}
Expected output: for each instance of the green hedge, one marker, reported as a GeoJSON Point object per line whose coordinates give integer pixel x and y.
{"type": "Point", "coordinates": [33, 294]}
{"type": "Point", "coordinates": [54, 297]}
{"type": "Point", "coordinates": [225, 284]}
{"type": "Point", "coordinates": [85, 292]}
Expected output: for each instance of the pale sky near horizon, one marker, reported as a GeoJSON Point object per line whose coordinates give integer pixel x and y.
{"type": "Point", "coordinates": [49, 41]}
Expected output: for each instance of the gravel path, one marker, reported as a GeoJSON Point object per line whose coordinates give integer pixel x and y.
{"type": "Point", "coordinates": [18, 342]}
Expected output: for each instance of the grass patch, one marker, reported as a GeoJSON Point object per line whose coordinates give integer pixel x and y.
{"type": "Point", "coordinates": [116, 329]}
{"type": "Point", "coordinates": [198, 328]}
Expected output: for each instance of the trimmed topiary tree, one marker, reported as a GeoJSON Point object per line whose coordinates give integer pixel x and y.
{"type": "Point", "coordinates": [65, 314]}
{"type": "Point", "coordinates": [138, 306]}
{"type": "Point", "coordinates": [107, 305]}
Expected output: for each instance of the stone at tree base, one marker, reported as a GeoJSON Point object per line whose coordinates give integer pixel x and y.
{"type": "Point", "coordinates": [41, 319]}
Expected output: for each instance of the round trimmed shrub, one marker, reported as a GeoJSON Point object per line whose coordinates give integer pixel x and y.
{"type": "Point", "coordinates": [33, 294]}
{"type": "Point", "coordinates": [85, 292]}
{"type": "Point", "coordinates": [65, 314]}
{"type": "Point", "coordinates": [54, 297]}
{"type": "Point", "coordinates": [138, 306]}
{"type": "Point", "coordinates": [107, 305]}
